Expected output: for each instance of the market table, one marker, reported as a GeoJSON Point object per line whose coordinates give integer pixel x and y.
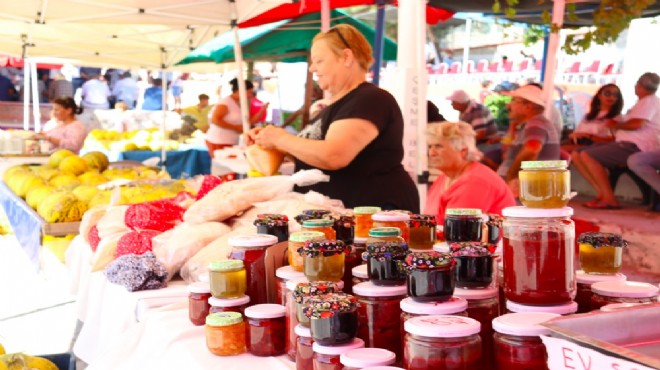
{"type": "Point", "coordinates": [179, 163]}
{"type": "Point", "coordinates": [10, 160]}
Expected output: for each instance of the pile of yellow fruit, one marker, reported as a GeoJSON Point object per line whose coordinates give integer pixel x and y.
{"type": "Point", "coordinates": [149, 139]}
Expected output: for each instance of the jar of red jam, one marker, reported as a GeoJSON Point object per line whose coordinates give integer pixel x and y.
{"type": "Point", "coordinates": [608, 292]}
{"type": "Point", "coordinates": [305, 290]}
{"type": "Point", "coordinates": [344, 226]}
{"type": "Point", "coordinates": [351, 260]}
{"type": "Point", "coordinates": [584, 282]}
{"type": "Point", "coordinates": [441, 342]}
{"type": "Point", "coordinates": [601, 253]}
{"type": "Point", "coordinates": [333, 318]}
{"type": "Point", "coordinates": [324, 259]}
{"type": "Point", "coordinates": [284, 274]}
{"type": "Point", "coordinates": [560, 309]}
{"type": "Point", "coordinates": [360, 358]}
{"type": "Point", "coordinates": [385, 252]}
{"type": "Point", "coordinates": [296, 241]}
{"type": "Point", "coordinates": [538, 244]}
{"type": "Point", "coordinates": [251, 249]}
{"type": "Point", "coordinates": [227, 279]}
{"type": "Point", "coordinates": [463, 225]}
{"type": "Point", "coordinates": [291, 318]}
{"type": "Point", "coordinates": [363, 221]}
{"type": "Point", "coordinates": [454, 306]}
{"type": "Point", "coordinates": [500, 285]}
{"type": "Point", "coordinates": [360, 274]}
{"type": "Point", "coordinates": [323, 225]}
{"type": "Point", "coordinates": [229, 305]}
{"type": "Point", "coordinates": [273, 224]}
{"type": "Point", "coordinates": [483, 306]}
{"type": "Point", "coordinates": [198, 305]}
{"type": "Point", "coordinates": [422, 231]}
{"type": "Point", "coordinates": [304, 351]}
{"type": "Point", "coordinates": [312, 214]}
{"type": "Point", "coordinates": [328, 357]}
{"type": "Point", "coordinates": [225, 333]}
{"type": "Point", "coordinates": [517, 342]}
{"type": "Point", "coordinates": [266, 329]}
{"type": "Point", "coordinates": [379, 310]}
{"type": "Point", "coordinates": [430, 276]}
{"type": "Point", "coordinates": [396, 219]}
{"type": "Point", "coordinates": [474, 264]}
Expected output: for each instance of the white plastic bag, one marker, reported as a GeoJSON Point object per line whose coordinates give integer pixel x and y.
{"type": "Point", "coordinates": [105, 252]}
{"type": "Point", "coordinates": [90, 219]}
{"type": "Point", "coordinates": [112, 222]}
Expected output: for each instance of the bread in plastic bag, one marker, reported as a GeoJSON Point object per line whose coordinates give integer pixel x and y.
{"type": "Point", "coordinates": [113, 221]}
{"type": "Point", "coordinates": [105, 252]}
{"type": "Point", "coordinates": [89, 220]}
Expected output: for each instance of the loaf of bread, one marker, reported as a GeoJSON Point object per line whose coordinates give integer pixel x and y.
{"type": "Point", "coordinates": [266, 161]}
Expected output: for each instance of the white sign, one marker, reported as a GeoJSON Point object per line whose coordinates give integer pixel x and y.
{"type": "Point", "coordinates": [565, 355]}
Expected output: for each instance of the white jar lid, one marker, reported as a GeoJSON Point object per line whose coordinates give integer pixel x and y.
{"type": "Point", "coordinates": [265, 311]}
{"type": "Point", "coordinates": [392, 216]}
{"type": "Point", "coordinates": [288, 273]}
{"type": "Point", "coordinates": [199, 287]}
{"type": "Point", "coordinates": [584, 278]}
{"type": "Point", "coordinates": [293, 283]}
{"type": "Point", "coordinates": [360, 271]}
{"type": "Point", "coordinates": [625, 289]}
{"type": "Point", "coordinates": [302, 331]}
{"type": "Point", "coordinates": [451, 306]}
{"type": "Point", "coordinates": [561, 309]}
{"type": "Point", "coordinates": [360, 240]}
{"type": "Point", "coordinates": [339, 349]}
{"type": "Point", "coordinates": [441, 247]}
{"type": "Point", "coordinates": [488, 292]}
{"type": "Point", "coordinates": [382, 368]}
{"type": "Point", "coordinates": [219, 302]}
{"type": "Point", "coordinates": [527, 324]}
{"type": "Point", "coordinates": [362, 357]}
{"type": "Point", "coordinates": [368, 289]}
{"type": "Point", "coordinates": [526, 212]}
{"type": "Point", "coordinates": [442, 326]}
{"type": "Point", "coordinates": [252, 240]}
{"type": "Point", "coordinates": [619, 306]}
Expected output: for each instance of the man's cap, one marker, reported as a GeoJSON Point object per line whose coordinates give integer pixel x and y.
{"type": "Point", "coordinates": [459, 96]}
{"type": "Point", "coordinates": [530, 93]}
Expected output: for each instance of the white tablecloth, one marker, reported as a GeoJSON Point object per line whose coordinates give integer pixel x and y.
{"type": "Point", "coordinates": [167, 340]}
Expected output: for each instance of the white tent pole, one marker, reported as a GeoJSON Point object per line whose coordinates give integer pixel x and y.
{"type": "Point", "coordinates": [36, 113]}
{"type": "Point", "coordinates": [551, 62]}
{"type": "Point", "coordinates": [163, 151]}
{"type": "Point", "coordinates": [466, 46]}
{"type": "Point", "coordinates": [238, 53]}
{"type": "Point", "coordinates": [26, 94]}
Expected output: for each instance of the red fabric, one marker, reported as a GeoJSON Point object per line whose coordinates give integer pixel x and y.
{"type": "Point", "coordinates": [209, 183]}
{"type": "Point", "coordinates": [135, 242]}
{"type": "Point", "coordinates": [160, 215]}
{"type": "Point", "coordinates": [17, 62]}
{"type": "Point", "coordinates": [94, 238]}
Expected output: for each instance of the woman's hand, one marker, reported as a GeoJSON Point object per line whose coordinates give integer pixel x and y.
{"type": "Point", "coordinates": [268, 136]}
{"type": "Point", "coordinates": [250, 136]}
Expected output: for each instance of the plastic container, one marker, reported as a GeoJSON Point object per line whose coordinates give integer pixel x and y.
{"type": "Point", "coordinates": [225, 333]}
{"type": "Point", "coordinates": [273, 224]}
{"type": "Point", "coordinates": [227, 279]}
{"type": "Point", "coordinates": [517, 344]}
{"type": "Point", "coordinates": [323, 260]}
{"type": "Point", "coordinates": [229, 305]}
{"type": "Point", "coordinates": [601, 253]}
{"type": "Point", "coordinates": [333, 318]}
{"type": "Point", "coordinates": [379, 312]}
{"type": "Point", "coordinates": [360, 358]}
{"type": "Point", "coordinates": [441, 342]}
{"type": "Point", "coordinates": [608, 292]}
{"type": "Point", "coordinates": [463, 225]}
{"type": "Point", "coordinates": [430, 276]}
{"type": "Point", "coordinates": [344, 226]}
{"type": "Point", "coordinates": [539, 243]}
{"type": "Point", "coordinates": [304, 351]}
{"type": "Point", "coordinates": [251, 249]}
{"type": "Point", "coordinates": [396, 219]}
{"type": "Point", "coordinates": [386, 249]}
{"type": "Point", "coordinates": [198, 305]}
{"type": "Point", "coordinates": [422, 232]}
{"type": "Point", "coordinates": [483, 306]}
{"type": "Point", "coordinates": [302, 291]}
{"type": "Point", "coordinates": [474, 264]}
{"type": "Point", "coordinates": [328, 357]}
{"type": "Point", "coordinates": [560, 309]}
{"type": "Point", "coordinates": [296, 241]}
{"type": "Point", "coordinates": [544, 184]}
{"type": "Point", "coordinates": [284, 274]}
{"type": "Point", "coordinates": [266, 329]}
{"type": "Point", "coordinates": [584, 282]}
{"type": "Point", "coordinates": [363, 221]}
{"type": "Point", "coordinates": [323, 225]}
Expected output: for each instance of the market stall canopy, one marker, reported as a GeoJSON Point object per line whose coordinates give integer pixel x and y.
{"type": "Point", "coordinates": [286, 41]}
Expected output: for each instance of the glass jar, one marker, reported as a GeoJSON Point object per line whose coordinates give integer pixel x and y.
{"type": "Point", "coordinates": [584, 282]}
{"type": "Point", "coordinates": [430, 276]}
{"type": "Point", "coordinates": [601, 253]}
{"type": "Point", "coordinates": [474, 264]}
{"type": "Point", "coordinates": [396, 219]}
{"type": "Point", "coordinates": [198, 305]}
{"type": "Point", "coordinates": [454, 306]}
{"type": "Point", "coordinates": [273, 224]}
{"type": "Point", "coordinates": [302, 291]}
{"type": "Point", "coordinates": [304, 351]}
{"type": "Point", "coordinates": [328, 357]}
{"type": "Point", "coordinates": [296, 241]}
{"type": "Point", "coordinates": [344, 226]}
{"type": "Point", "coordinates": [333, 318]}
{"type": "Point", "coordinates": [363, 221]}
{"type": "Point", "coordinates": [229, 305]}
{"type": "Point", "coordinates": [360, 274]}
{"type": "Point", "coordinates": [312, 214]}
{"type": "Point", "coordinates": [560, 309]}
{"type": "Point", "coordinates": [441, 342]}
{"type": "Point", "coordinates": [379, 310]}
{"type": "Point", "coordinates": [463, 225]}
{"type": "Point", "coordinates": [323, 225]}
{"type": "Point", "coordinates": [324, 259]}
{"type": "Point", "coordinates": [284, 274]}
{"type": "Point", "coordinates": [360, 358]}
{"type": "Point", "coordinates": [494, 227]}
{"type": "Point", "coordinates": [291, 318]}
{"type": "Point", "coordinates": [225, 333]}
{"type": "Point", "coordinates": [422, 231]}
{"type": "Point", "coordinates": [544, 184]}
{"type": "Point", "coordinates": [352, 260]}
{"type": "Point", "coordinates": [227, 279]}
{"type": "Point", "coordinates": [266, 329]}
{"type": "Point", "coordinates": [386, 249]}
{"type": "Point", "coordinates": [500, 285]}
{"type": "Point", "coordinates": [251, 249]}
{"type": "Point", "coordinates": [608, 292]}
{"type": "Point", "coordinates": [539, 256]}
{"type": "Point", "coordinates": [483, 306]}
{"type": "Point", "coordinates": [517, 343]}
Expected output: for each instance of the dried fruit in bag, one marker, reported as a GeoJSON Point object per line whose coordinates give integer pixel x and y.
{"type": "Point", "coordinates": [159, 215]}
{"type": "Point", "coordinates": [135, 242]}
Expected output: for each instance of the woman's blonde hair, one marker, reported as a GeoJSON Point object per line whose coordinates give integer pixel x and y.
{"type": "Point", "coordinates": [460, 134]}
{"type": "Point", "coordinates": [345, 36]}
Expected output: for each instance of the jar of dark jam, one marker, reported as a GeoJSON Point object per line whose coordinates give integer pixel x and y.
{"type": "Point", "coordinates": [396, 219]}
{"type": "Point", "coordinates": [517, 342]}
{"type": "Point", "coordinates": [198, 305]}
{"type": "Point", "coordinates": [312, 214]}
{"type": "Point", "coordinates": [441, 342]}
{"type": "Point", "coordinates": [363, 221]}
{"type": "Point", "coordinates": [323, 260]}
{"type": "Point", "coordinates": [284, 274]}
{"type": "Point", "coordinates": [494, 227]}
{"type": "Point", "coordinates": [360, 358]}
{"type": "Point", "coordinates": [229, 305]}
{"type": "Point", "coordinates": [333, 319]}
{"type": "Point", "coordinates": [323, 225]}
{"type": "Point", "coordinates": [251, 249]}
{"type": "Point", "coordinates": [463, 225]}
{"type": "Point", "coordinates": [273, 224]}
{"type": "Point", "coordinates": [385, 252]}
{"type": "Point", "coordinates": [266, 329]}
{"type": "Point", "coordinates": [584, 282]}
{"type": "Point", "coordinates": [544, 184]}
{"type": "Point", "coordinates": [379, 310]}
{"type": "Point", "coordinates": [296, 241]}
{"type": "Point", "coordinates": [483, 306]}
{"type": "Point", "coordinates": [302, 291]}
{"type": "Point", "coordinates": [422, 232]}
{"type": "Point", "coordinates": [344, 226]}
{"type": "Point", "coordinates": [351, 260]}
{"type": "Point", "coordinates": [474, 264]}
{"type": "Point", "coordinates": [328, 357]}
{"type": "Point", "coordinates": [560, 309]}
{"type": "Point", "coordinates": [608, 292]}
{"type": "Point", "coordinates": [538, 244]}
{"type": "Point", "coordinates": [360, 274]}
{"type": "Point", "coordinates": [601, 253]}
{"type": "Point", "coordinates": [304, 351]}
{"type": "Point", "coordinates": [430, 276]}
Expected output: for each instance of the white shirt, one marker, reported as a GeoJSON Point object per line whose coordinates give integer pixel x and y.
{"type": "Point", "coordinates": [219, 135]}
{"type": "Point", "coordinates": [646, 137]}
{"type": "Point", "coordinates": [126, 90]}
{"type": "Point", "coordinates": [597, 126]}
{"type": "Point", "coordinates": [95, 94]}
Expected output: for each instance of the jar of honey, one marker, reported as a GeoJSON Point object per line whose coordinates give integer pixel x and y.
{"type": "Point", "coordinates": [422, 232]}
{"type": "Point", "coordinates": [363, 221]}
{"type": "Point", "coordinates": [225, 333]}
{"type": "Point", "coordinates": [608, 292]}
{"type": "Point", "coordinates": [227, 279]}
{"type": "Point", "coordinates": [544, 184]}
{"type": "Point", "coordinates": [517, 342]}
{"type": "Point", "coordinates": [324, 259]}
{"type": "Point", "coordinates": [296, 241]}
{"type": "Point", "coordinates": [584, 283]}
{"type": "Point", "coordinates": [396, 219]}
{"type": "Point", "coordinates": [323, 225]}
{"type": "Point", "coordinates": [273, 224]}
{"type": "Point", "coordinates": [601, 253]}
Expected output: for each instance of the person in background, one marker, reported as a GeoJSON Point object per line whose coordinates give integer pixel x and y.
{"type": "Point", "coordinates": [463, 181]}
{"type": "Point", "coordinates": [433, 113]}
{"type": "Point", "coordinates": [95, 93]}
{"type": "Point", "coordinates": [177, 89]}
{"type": "Point", "coordinates": [200, 112]}
{"type": "Point", "coordinates": [60, 87]}
{"type": "Point", "coordinates": [64, 131]}
{"type": "Point", "coordinates": [475, 114]}
{"type": "Point", "coordinates": [7, 89]}
{"type": "Point", "coordinates": [153, 96]}
{"type": "Point", "coordinates": [358, 138]}
{"type": "Point", "coordinates": [485, 90]}
{"type": "Point", "coordinates": [646, 165]}
{"type": "Point", "coordinates": [126, 90]}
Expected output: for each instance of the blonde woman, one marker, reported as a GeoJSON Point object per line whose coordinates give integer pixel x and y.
{"type": "Point", "coordinates": [463, 182]}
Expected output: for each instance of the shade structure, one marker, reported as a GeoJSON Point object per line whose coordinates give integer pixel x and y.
{"type": "Point", "coordinates": [286, 41]}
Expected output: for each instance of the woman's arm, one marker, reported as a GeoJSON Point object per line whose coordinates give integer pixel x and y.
{"type": "Point", "coordinates": [219, 113]}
